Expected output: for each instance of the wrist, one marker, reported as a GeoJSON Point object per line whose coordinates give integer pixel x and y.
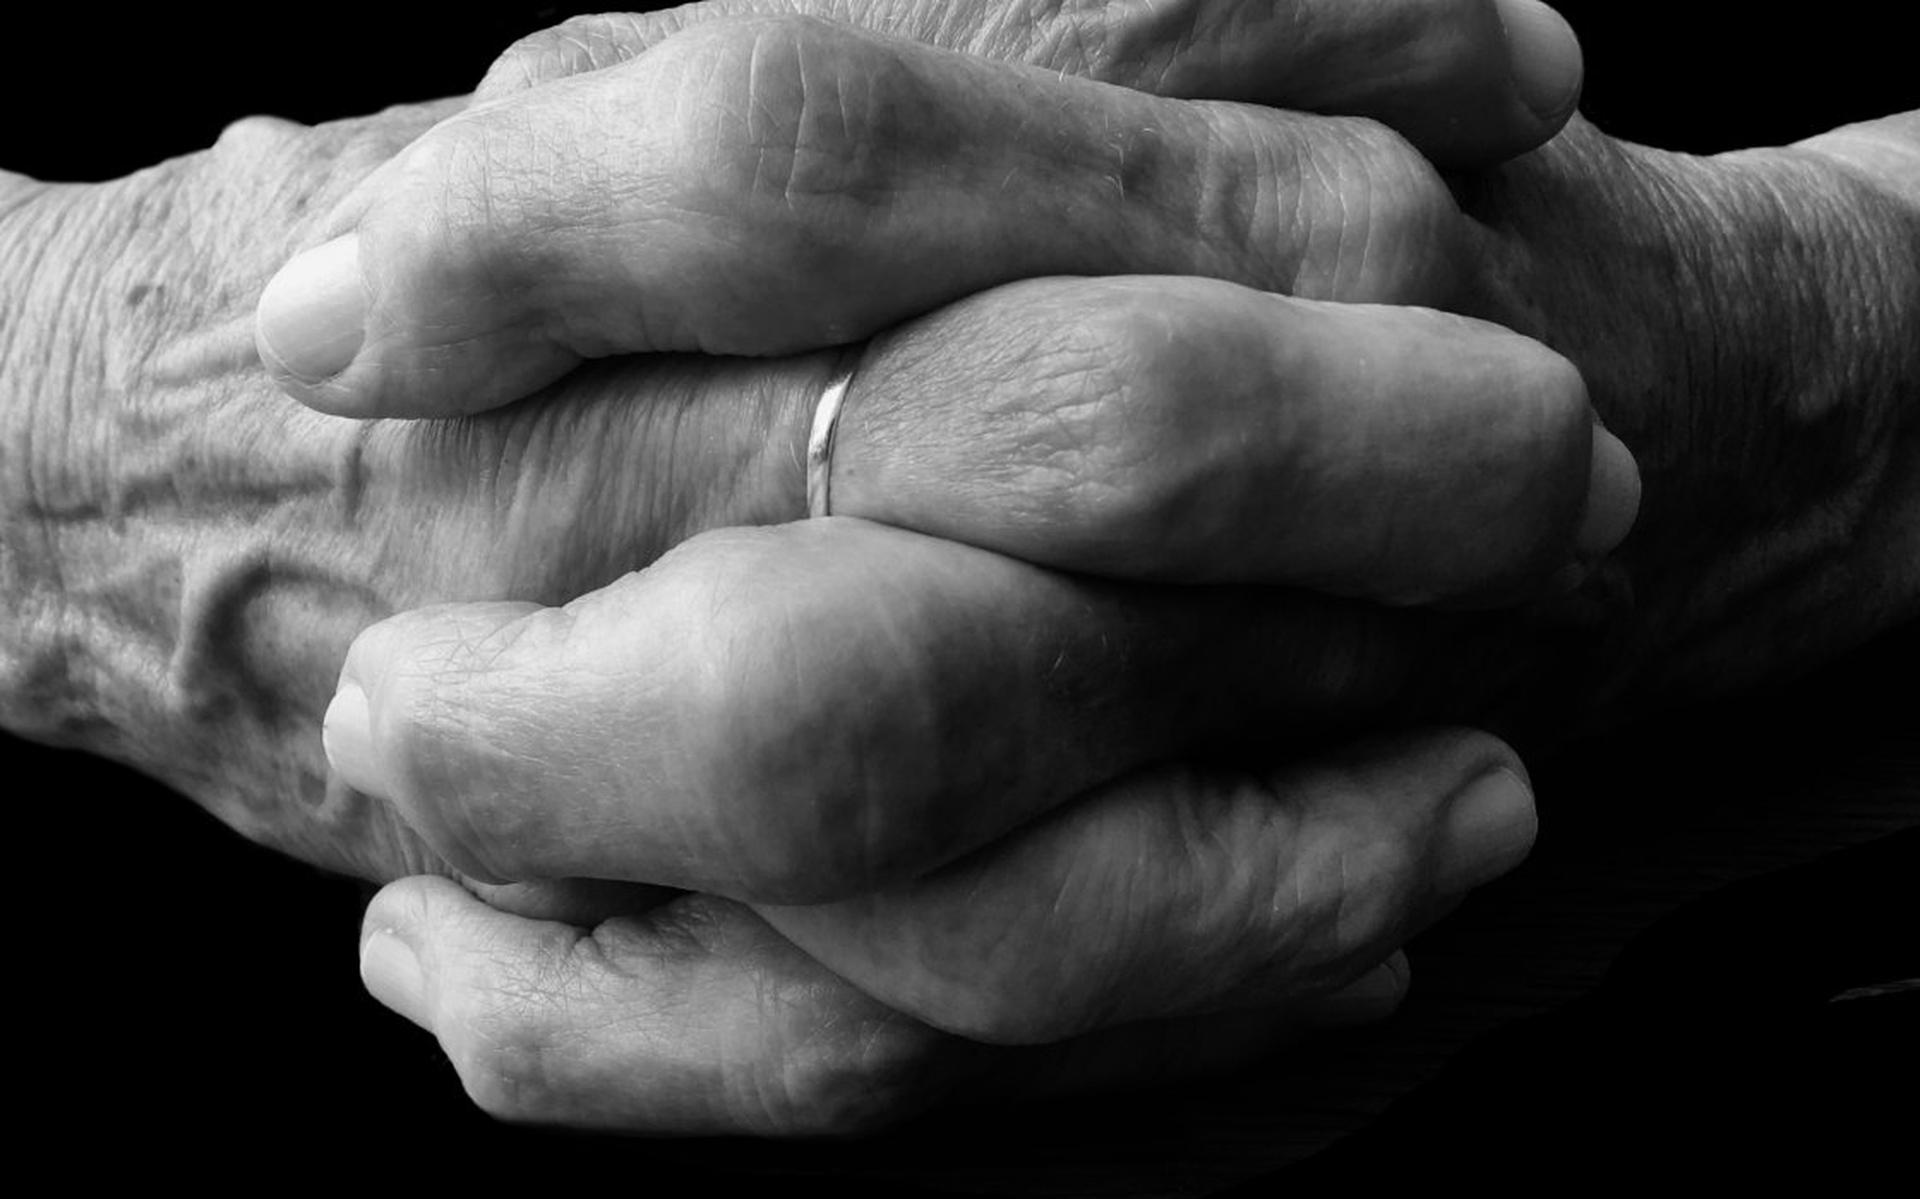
{"type": "Point", "coordinates": [52, 240]}
{"type": "Point", "coordinates": [1745, 323]}
{"type": "Point", "coordinates": [1814, 358]}
{"type": "Point", "coordinates": [1884, 155]}
{"type": "Point", "coordinates": [172, 598]}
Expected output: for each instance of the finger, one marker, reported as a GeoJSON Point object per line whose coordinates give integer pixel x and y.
{"type": "Point", "coordinates": [1467, 81]}
{"type": "Point", "coordinates": [1183, 891]}
{"type": "Point", "coordinates": [1172, 429]}
{"type": "Point", "coordinates": [1197, 431]}
{"type": "Point", "coordinates": [768, 186]}
{"type": "Point", "coordinates": [697, 1018]}
{"type": "Point", "coordinates": [693, 1017]}
{"type": "Point", "coordinates": [806, 712]}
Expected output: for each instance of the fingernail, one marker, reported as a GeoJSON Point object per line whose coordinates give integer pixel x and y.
{"type": "Point", "coordinates": [1375, 995]}
{"type": "Point", "coordinates": [346, 732]}
{"type": "Point", "coordinates": [391, 974]}
{"type": "Point", "coordinates": [1490, 826]}
{"type": "Point", "coordinates": [1613, 497]}
{"type": "Point", "coordinates": [1544, 56]}
{"type": "Point", "coordinates": [313, 314]}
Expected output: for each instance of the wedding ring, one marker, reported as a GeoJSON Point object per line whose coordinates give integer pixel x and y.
{"type": "Point", "coordinates": [826, 426]}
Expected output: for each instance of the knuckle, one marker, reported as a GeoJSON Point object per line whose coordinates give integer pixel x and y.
{"type": "Point", "coordinates": [252, 140]}
{"type": "Point", "coordinates": [772, 760]}
{"type": "Point", "coordinates": [1339, 208]}
{"type": "Point", "coordinates": [852, 1087]}
{"type": "Point", "coordinates": [815, 1056]}
{"type": "Point", "coordinates": [1134, 44]}
{"type": "Point", "coordinates": [1355, 873]}
{"type": "Point", "coordinates": [576, 45]}
{"type": "Point", "coordinates": [516, 1059]}
{"type": "Point", "coordinates": [445, 222]}
{"type": "Point", "coordinates": [787, 130]}
{"type": "Point", "coordinates": [1105, 468]}
{"type": "Point", "coordinates": [778, 108]}
{"type": "Point", "coordinates": [1402, 211]}
{"type": "Point", "coordinates": [500, 1071]}
{"type": "Point", "coordinates": [532, 60]}
{"type": "Point", "coordinates": [454, 783]}
{"type": "Point", "coordinates": [1078, 36]}
{"type": "Point", "coordinates": [1003, 979]}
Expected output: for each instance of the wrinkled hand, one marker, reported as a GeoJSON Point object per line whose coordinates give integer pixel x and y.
{"type": "Point", "coordinates": [1198, 918]}
{"type": "Point", "coordinates": [1742, 320]}
{"type": "Point", "coordinates": [603, 210]}
{"type": "Point", "coordinates": [131, 556]}
{"type": "Point", "coordinates": [1869, 455]}
{"type": "Point", "coordinates": [1744, 323]}
{"type": "Point", "coordinates": [189, 558]}
{"type": "Point", "coordinates": [803, 757]}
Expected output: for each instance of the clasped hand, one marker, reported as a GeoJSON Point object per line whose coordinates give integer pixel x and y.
{"type": "Point", "coordinates": [1111, 724]}
{"type": "Point", "coordinates": [944, 786]}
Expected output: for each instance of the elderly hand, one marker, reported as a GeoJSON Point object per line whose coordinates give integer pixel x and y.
{"type": "Point", "coordinates": [187, 558]}
{"type": "Point", "coordinates": [602, 212]}
{"type": "Point", "coordinates": [1673, 282]}
{"type": "Point", "coordinates": [848, 761]}
{"type": "Point", "coordinates": [1195, 917]}
{"type": "Point", "coordinates": [1860, 257]}
{"type": "Point", "coordinates": [186, 561]}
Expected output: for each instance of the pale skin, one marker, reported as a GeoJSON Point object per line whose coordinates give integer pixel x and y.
{"type": "Point", "coordinates": [1872, 266]}
{"type": "Point", "coordinates": [722, 948]}
{"type": "Point", "coordinates": [206, 628]}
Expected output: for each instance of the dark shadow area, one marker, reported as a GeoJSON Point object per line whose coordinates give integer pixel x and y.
{"type": "Point", "coordinates": [1656, 991]}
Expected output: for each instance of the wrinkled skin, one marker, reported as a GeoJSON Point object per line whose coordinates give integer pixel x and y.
{"type": "Point", "coordinates": [1739, 320]}
{"type": "Point", "coordinates": [157, 627]}
{"type": "Point", "coordinates": [963, 954]}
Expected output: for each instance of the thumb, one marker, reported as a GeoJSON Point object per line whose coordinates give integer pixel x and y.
{"type": "Point", "coordinates": [769, 186]}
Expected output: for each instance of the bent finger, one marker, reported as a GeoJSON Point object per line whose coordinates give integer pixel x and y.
{"type": "Point", "coordinates": [1197, 431]}
{"type": "Point", "coordinates": [693, 1017]}
{"type": "Point", "coordinates": [809, 711]}
{"type": "Point", "coordinates": [696, 1018]}
{"type": "Point", "coordinates": [1172, 429]}
{"type": "Point", "coordinates": [770, 186]}
{"type": "Point", "coordinates": [1183, 890]}
{"type": "Point", "coordinates": [1467, 81]}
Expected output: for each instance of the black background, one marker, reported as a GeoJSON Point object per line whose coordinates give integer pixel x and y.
{"type": "Point", "coordinates": [185, 1002]}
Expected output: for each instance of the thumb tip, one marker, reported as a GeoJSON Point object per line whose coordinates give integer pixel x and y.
{"type": "Point", "coordinates": [346, 733]}
{"type": "Point", "coordinates": [311, 319]}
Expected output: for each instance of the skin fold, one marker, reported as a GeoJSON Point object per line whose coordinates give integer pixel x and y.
{"type": "Point", "coordinates": [189, 558]}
